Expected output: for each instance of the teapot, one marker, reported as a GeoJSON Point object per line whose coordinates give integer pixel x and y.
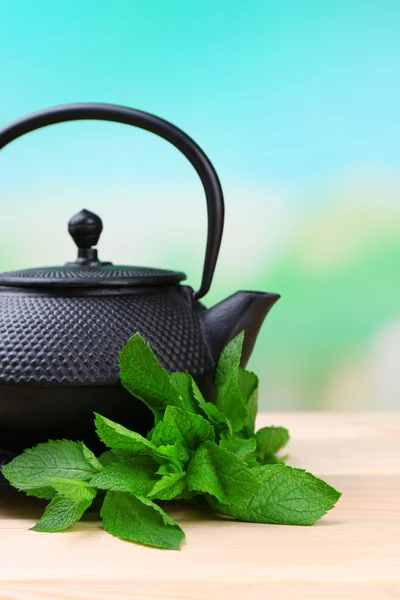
{"type": "Point", "coordinates": [62, 327]}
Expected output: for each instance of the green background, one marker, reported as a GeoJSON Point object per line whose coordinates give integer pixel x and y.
{"type": "Point", "coordinates": [297, 104]}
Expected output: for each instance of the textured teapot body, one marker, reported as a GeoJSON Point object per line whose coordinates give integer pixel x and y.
{"type": "Point", "coordinates": [73, 337]}
{"type": "Point", "coordinates": [59, 352]}
{"type": "Point", "coordinates": [59, 357]}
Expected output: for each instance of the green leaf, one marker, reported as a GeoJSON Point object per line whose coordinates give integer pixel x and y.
{"type": "Point", "coordinates": [181, 425]}
{"type": "Point", "coordinates": [252, 408]}
{"type": "Point", "coordinates": [118, 437]}
{"type": "Point", "coordinates": [248, 383]}
{"type": "Point", "coordinates": [269, 441]}
{"type": "Point", "coordinates": [252, 462]}
{"type": "Point", "coordinates": [169, 487]}
{"type": "Point", "coordinates": [72, 489]}
{"type": "Point", "coordinates": [123, 440]}
{"type": "Point", "coordinates": [248, 386]}
{"type": "Point", "coordinates": [220, 473]}
{"type": "Point", "coordinates": [217, 419]}
{"type": "Point", "coordinates": [91, 458]}
{"type": "Point", "coordinates": [186, 494]}
{"type": "Point", "coordinates": [271, 459]}
{"type": "Point", "coordinates": [108, 457]}
{"type": "Point", "coordinates": [167, 469]}
{"type": "Point", "coordinates": [136, 475]}
{"type": "Point", "coordinates": [229, 399]}
{"type": "Point", "coordinates": [287, 495]}
{"type": "Point", "coordinates": [143, 376]}
{"type": "Point", "coordinates": [139, 520]}
{"type": "Point", "coordinates": [61, 513]}
{"type": "Point", "coordinates": [229, 361]}
{"type": "Point", "coordinates": [242, 447]}
{"type": "Point", "coordinates": [177, 453]}
{"type": "Point", "coordinates": [182, 382]}
{"type": "Point", "coordinates": [44, 493]}
{"type": "Point", "coordinates": [29, 471]}
{"type": "Point", "coordinates": [128, 443]}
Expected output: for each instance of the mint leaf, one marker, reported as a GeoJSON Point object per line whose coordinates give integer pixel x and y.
{"type": "Point", "coordinates": [167, 469]}
{"type": "Point", "coordinates": [91, 458]}
{"type": "Point", "coordinates": [139, 520]}
{"type": "Point", "coordinates": [61, 513]}
{"type": "Point", "coordinates": [242, 447]}
{"type": "Point", "coordinates": [228, 398]}
{"type": "Point", "coordinates": [72, 489]}
{"type": "Point", "coordinates": [119, 438]}
{"type": "Point", "coordinates": [220, 473]}
{"type": "Point", "coordinates": [108, 457]}
{"type": "Point", "coordinates": [177, 453]}
{"type": "Point", "coordinates": [181, 425]}
{"type": "Point", "coordinates": [169, 487]}
{"type": "Point", "coordinates": [29, 471]}
{"type": "Point", "coordinates": [217, 419]}
{"type": "Point", "coordinates": [44, 493]}
{"type": "Point", "coordinates": [248, 386]}
{"type": "Point", "coordinates": [269, 441]}
{"type": "Point", "coordinates": [182, 382]}
{"type": "Point", "coordinates": [271, 459]}
{"type": "Point", "coordinates": [143, 376]}
{"type": "Point", "coordinates": [229, 361]}
{"type": "Point", "coordinates": [199, 451]}
{"type": "Point", "coordinates": [136, 475]}
{"type": "Point", "coordinates": [287, 495]}
{"type": "Point", "coordinates": [252, 462]}
{"type": "Point", "coordinates": [125, 442]}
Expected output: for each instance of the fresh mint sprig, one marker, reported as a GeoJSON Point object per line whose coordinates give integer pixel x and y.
{"type": "Point", "coordinates": [197, 451]}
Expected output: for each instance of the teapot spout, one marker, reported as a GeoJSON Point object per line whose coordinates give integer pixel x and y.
{"type": "Point", "coordinates": [243, 311]}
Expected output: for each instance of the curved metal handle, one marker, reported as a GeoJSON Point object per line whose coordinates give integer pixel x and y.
{"type": "Point", "coordinates": [164, 129]}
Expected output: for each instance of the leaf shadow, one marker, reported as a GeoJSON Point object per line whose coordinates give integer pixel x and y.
{"type": "Point", "coordinates": [327, 523]}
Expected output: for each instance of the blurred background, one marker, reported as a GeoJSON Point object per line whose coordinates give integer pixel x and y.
{"type": "Point", "coordinates": [297, 105]}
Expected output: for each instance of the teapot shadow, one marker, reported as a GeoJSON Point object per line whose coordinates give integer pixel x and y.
{"type": "Point", "coordinates": [16, 505]}
{"type": "Point", "coordinates": [70, 417]}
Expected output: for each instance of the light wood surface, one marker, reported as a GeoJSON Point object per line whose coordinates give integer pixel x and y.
{"type": "Point", "coordinates": [353, 553]}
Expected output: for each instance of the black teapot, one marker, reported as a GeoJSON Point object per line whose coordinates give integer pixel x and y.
{"type": "Point", "coordinates": [62, 328]}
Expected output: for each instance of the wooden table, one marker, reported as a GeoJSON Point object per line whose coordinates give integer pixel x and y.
{"type": "Point", "coordinates": [354, 552]}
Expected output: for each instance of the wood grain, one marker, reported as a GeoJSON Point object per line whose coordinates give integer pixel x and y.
{"type": "Point", "coordinates": [354, 552]}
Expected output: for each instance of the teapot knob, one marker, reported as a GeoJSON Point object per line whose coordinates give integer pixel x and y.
{"type": "Point", "coordinates": [85, 228]}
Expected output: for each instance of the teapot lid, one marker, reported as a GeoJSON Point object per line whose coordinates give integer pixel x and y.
{"type": "Point", "coordinates": [88, 271]}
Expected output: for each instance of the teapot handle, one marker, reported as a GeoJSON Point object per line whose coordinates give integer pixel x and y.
{"type": "Point", "coordinates": [162, 128]}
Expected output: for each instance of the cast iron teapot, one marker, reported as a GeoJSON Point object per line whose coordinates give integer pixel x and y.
{"type": "Point", "coordinates": [61, 328]}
